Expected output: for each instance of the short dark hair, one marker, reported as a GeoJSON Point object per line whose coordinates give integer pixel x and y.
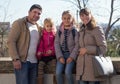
{"type": "Point", "coordinates": [35, 6]}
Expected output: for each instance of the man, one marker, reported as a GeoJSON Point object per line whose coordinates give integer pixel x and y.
{"type": "Point", "coordinates": [22, 43]}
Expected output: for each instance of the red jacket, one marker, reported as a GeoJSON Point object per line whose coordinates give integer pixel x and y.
{"type": "Point", "coordinates": [46, 43]}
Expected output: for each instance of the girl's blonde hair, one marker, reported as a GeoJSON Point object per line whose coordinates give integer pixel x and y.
{"type": "Point", "coordinates": [48, 21]}
{"type": "Point", "coordinates": [68, 12]}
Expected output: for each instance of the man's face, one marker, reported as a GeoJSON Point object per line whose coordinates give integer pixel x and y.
{"type": "Point", "coordinates": [34, 15]}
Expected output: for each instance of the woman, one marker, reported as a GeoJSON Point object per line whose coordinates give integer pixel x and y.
{"type": "Point", "coordinates": [91, 38]}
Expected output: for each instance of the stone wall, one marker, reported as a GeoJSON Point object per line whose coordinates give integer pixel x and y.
{"type": "Point", "coordinates": [6, 65]}
{"type": "Point", "coordinates": [116, 63]}
{"type": "Point", "coordinates": [7, 72]}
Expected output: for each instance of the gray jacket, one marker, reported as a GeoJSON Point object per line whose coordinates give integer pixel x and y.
{"type": "Point", "coordinates": [72, 43]}
{"type": "Point", "coordinates": [90, 39]}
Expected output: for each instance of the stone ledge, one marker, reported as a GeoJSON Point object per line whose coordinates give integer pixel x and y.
{"type": "Point", "coordinates": [7, 67]}
{"type": "Point", "coordinates": [5, 59]}
{"type": "Point", "coordinates": [116, 64]}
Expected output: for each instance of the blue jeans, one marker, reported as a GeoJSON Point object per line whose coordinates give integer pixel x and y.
{"type": "Point", "coordinates": [27, 74]}
{"type": "Point", "coordinates": [88, 82]}
{"type": "Point", "coordinates": [64, 67]}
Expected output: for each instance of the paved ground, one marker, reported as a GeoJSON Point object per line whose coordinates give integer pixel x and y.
{"type": "Point", "coordinates": [7, 79]}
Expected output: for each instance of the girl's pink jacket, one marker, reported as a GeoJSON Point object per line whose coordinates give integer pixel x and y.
{"type": "Point", "coordinates": [46, 43]}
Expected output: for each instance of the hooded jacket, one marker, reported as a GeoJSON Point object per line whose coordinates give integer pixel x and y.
{"type": "Point", "coordinates": [46, 43]}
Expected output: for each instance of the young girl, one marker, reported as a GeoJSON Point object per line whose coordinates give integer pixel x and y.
{"type": "Point", "coordinates": [66, 48]}
{"type": "Point", "coordinates": [91, 37]}
{"type": "Point", "coordinates": [46, 52]}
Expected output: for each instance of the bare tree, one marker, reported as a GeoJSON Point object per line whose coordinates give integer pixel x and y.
{"type": "Point", "coordinates": [4, 28]}
{"type": "Point", "coordinates": [110, 23]}
{"type": "Point", "coordinates": [78, 3]}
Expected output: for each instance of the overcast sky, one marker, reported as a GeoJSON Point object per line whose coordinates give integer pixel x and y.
{"type": "Point", "coordinates": [51, 8]}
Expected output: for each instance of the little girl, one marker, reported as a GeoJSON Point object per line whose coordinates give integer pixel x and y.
{"type": "Point", "coordinates": [45, 51]}
{"type": "Point", "coordinates": [66, 48]}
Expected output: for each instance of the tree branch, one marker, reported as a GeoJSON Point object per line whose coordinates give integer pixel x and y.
{"type": "Point", "coordinates": [110, 19]}
{"type": "Point", "coordinates": [115, 22]}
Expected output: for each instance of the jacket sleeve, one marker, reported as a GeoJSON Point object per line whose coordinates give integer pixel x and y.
{"type": "Point", "coordinates": [58, 51]}
{"type": "Point", "coordinates": [100, 40]}
{"type": "Point", "coordinates": [74, 52]}
{"type": "Point", "coordinates": [12, 40]}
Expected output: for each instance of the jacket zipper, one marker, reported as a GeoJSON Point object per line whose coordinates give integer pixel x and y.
{"type": "Point", "coordinates": [84, 56]}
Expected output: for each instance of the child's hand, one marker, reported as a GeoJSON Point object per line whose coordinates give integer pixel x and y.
{"type": "Point", "coordinates": [62, 60]}
{"type": "Point", "coordinates": [49, 52]}
{"type": "Point", "coordinates": [69, 60]}
{"type": "Point", "coordinates": [39, 53]}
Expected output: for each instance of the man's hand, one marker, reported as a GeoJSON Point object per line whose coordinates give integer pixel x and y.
{"type": "Point", "coordinates": [17, 64]}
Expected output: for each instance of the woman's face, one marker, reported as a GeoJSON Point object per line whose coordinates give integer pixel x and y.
{"type": "Point", "coordinates": [85, 18]}
{"type": "Point", "coordinates": [67, 19]}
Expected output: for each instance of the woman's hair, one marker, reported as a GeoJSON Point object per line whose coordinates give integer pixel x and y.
{"type": "Point", "coordinates": [48, 21]}
{"type": "Point", "coordinates": [92, 24]}
{"type": "Point", "coordinates": [68, 12]}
